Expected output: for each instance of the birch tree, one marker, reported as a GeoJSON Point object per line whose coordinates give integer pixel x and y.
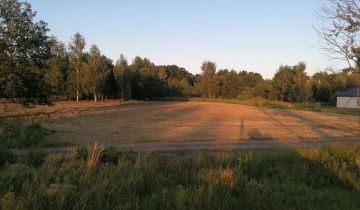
{"type": "Point", "coordinates": [76, 48]}
{"type": "Point", "coordinates": [97, 70]}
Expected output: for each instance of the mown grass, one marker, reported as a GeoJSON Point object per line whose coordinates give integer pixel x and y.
{"type": "Point", "coordinates": [259, 102]}
{"type": "Point", "coordinates": [308, 178]}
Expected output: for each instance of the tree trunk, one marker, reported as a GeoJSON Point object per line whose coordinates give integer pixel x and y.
{"type": "Point", "coordinates": [77, 85]}
{"type": "Point", "coordinates": [95, 97]}
{"type": "Point", "coordinates": [122, 96]}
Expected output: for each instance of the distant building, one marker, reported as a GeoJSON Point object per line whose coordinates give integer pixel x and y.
{"type": "Point", "coordinates": [348, 99]}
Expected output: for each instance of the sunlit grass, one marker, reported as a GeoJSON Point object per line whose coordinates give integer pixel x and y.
{"type": "Point", "coordinates": [260, 102]}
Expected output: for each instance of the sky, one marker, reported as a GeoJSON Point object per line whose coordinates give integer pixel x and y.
{"type": "Point", "coordinates": [252, 35]}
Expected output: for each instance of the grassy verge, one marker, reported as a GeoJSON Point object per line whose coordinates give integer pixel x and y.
{"type": "Point", "coordinates": [259, 102]}
{"type": "Point", "coordinates": [317, 178]}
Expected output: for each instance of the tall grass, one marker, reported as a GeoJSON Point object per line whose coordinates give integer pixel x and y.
{"type": "Point", "coordinates": [22, 136]}
{"type": "Point", "coordinates": [315, 178]}
{"type": "Point", "coordinates": [95, 152]}
{"type": "Point", "coordinates": [27, 135]}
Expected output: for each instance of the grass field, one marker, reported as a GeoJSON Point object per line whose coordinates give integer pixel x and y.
{"type": "Point", "coordinates": [188, 125]}
{"type": "Point", "coordinates": [177, 155]}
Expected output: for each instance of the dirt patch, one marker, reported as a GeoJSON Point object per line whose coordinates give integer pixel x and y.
{"type": "Point", "coordinates": [187, 124]}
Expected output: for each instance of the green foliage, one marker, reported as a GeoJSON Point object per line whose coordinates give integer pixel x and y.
{"type": "Point", "coordinates": [152, 82]}
{"type": "Point", "coordinates": [24, 47]}
{"type": "Point", "coordinates": [58, 67]}
{"type": "Point", "coordinates": [95, 73]}
{"type": "Point", "coordinates": [122, 74]}
{"type": "Point", "coordinates": [44, 71]}
{"type": "Point", "coordinates": [292, 84]}
{"type": "Point", "coordinates": [76, 75]}
{"type": "Point", "coordinates": [209, 80]}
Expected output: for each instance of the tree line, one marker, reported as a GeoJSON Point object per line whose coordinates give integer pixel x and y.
{"type": "Point", "coordinates": [38, 68]}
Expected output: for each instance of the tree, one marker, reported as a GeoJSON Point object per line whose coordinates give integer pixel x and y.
{"type": "Point", "coordinates": [58, 68]}
{"type": "Point", "coordinates": [175, 81]}
{"type": "Point", "coordinates": [229, 84]}
{"type": "Point", "coordinates": [145, 81]}
{"type": "Point", "coordinates": [291, 84]}
{"type": "Point", "coordinates": [250, 81]}
{"type": "Point", "coordinates": [339, 32]}
{"type": "Point", "coordinates": [338, 29]}
{"type": "Point", "coordinates": [97, 71]}
{"type": "Point", "coordinates": [264, 89]}
{"type": "Point", "coordinates": [108, 87]}
{"type": "Point", "coordinates": [76, 47]}
{"type": "Point", "coordinates": [323, 87]}
{"type": "Point", "coordinates": [343, 76]}
{"type": "Point", "coordinates": [24, 47]}
{"type": "Point", "coordinates": [209, 80]}
{"type": "Point", "coordinates": [122, 74]}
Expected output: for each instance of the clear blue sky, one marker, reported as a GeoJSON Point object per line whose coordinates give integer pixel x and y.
{"type": "Point", "coordinates": [253, 35]}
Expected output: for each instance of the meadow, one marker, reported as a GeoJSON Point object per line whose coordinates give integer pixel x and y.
{"type": "Point", "coordinates": [174, 125]}
{"type": "Point", "coordinates": [85, 129]}
{"type": "Point", "coordinates": [43, 165]}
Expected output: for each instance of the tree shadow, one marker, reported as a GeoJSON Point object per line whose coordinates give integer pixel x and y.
{"type": "Point", "coordinates": [317, 125]}
{"type": "Point", "coordinates": [282, 124]}
{"type": "Point", "coordinates": [242, 126]}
